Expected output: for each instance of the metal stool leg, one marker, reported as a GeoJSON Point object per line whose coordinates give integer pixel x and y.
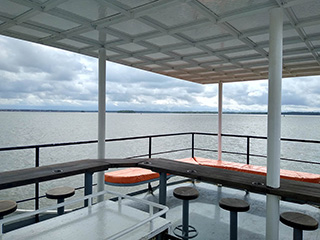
{"type": "Point", "coordinates": [185, 231]}
{"type": "Point", "coordinates": [60, 209]}
{"type": "Point", "coordinates": [185, 219]}
{"type": "Point", "coordinates": [233, 225]}
{"type": "Point", "coordinates": [297, 234]}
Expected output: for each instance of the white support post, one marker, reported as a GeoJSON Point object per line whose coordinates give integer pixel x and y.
{"type": "Point", "coordinates": [220, 121]}
{"type": "Point", "coordinates": [101, 117]}
{"type": "Point", "coordinates": [274, 121]}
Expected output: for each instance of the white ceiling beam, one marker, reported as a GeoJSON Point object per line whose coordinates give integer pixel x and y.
{"type": "Point", "coordinates": [248, 11]}
{"type": "Point", "coordinates": [228, 27]}
{"type": "Point", "coordinates": [117, 6]}
{"type": "Point", "coordinates": [153, 7]}
{"type": "Point", "coordinates": [294, 21]}
{"type": "Point", "coordinates": [294, 3]}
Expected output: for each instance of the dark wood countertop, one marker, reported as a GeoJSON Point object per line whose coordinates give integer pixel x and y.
{"type": "Point", "coordinates": [290, 190]}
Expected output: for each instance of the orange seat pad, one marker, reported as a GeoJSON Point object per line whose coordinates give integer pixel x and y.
{"type": "Point", "coordinates": [130, 175]}
{"type": "Point", "coordinates": [136, 175]}
{"type": "Point", "coordinates": [261, 170]}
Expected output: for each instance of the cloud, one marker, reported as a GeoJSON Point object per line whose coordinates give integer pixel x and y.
{"type": "Point", "coordinates": [246, 96]}
{"type": "Point", "coordinates": [39, 77]}
{"type": "Point", "coordinates": [301, 94]}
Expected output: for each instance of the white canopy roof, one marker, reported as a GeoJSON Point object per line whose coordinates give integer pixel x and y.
{"type": "Point", "coordinates": [203, 41]}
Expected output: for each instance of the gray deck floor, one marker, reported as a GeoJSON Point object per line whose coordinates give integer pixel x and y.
{"type": "Point", "coordinates": [212, 222]}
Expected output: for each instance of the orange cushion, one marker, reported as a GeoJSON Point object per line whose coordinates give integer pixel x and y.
{"type": "Point", "coordinates": [130, 175]}
{"type": "Point", "coordinates": [136, 175]}
{"type": "Point", "coordinates": [261, 170]}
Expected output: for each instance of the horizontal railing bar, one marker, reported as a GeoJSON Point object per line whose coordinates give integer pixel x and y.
{"type": "Point", "coordinates": [258, 155]}
{"type": "Point", "coordinates": [299, 140]}
{"type": "Point", "coordinates": [235, 153]}
{"type": "Point", "coordinates": [297, 160]}
{"type": "Point", "coordinates": [29, 199]}
{"type": "Point", "coordinates": [91, 141]}
{"type": "Point", "coordinates": [205, 133]}
{"type": "Point", "coordinates": [148, 136]}
{"type": "Point", "coordinates": [258, 137]}
{"type": "Point", "coordinates": [43, 196]}
{"type": "Point", "coordinates": [158, 153]}
{"type": "Point", "coordinates": [261, 156]}
{"type": "Point", "coordinates": [205, 149]}
{"type": "Point", "coordinates": [48, 145]}
{"type": "Point", "coordinates": [138, 156]}
{"type": "Point", "coordinates": [172, 151]}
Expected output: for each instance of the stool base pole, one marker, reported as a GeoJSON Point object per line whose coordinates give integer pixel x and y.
{"type": "Point", "coordinates": [185, 219]}
{"type": "Point", "coordinates": [297, 234]}
{"type": "Point", "coordinates": [233, 225]}
{"type": "Point", "coordinates": [60, 209]}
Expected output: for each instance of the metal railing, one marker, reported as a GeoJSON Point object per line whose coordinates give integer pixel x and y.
{"type": "Point", "coordinates": [155, 211]}
{"type": "Point", "coordinates": [150, 152]}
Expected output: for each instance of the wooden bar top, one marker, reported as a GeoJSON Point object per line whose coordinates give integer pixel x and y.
{"type": "Point", "coordinates": [27, 176]}
{"type": "Point", "coordinates": [290, 190]}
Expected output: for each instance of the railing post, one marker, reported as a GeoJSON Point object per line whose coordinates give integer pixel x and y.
{"type": "Point", "coordinates": [248, 150]}
{"type": "Point", "coordinates": [87, 186]}
{"type": "Point", "coordinates": [163, 190]}
{"type": "Point", "coordinates": [150, 145]}
{"type": "Point", "coordinates": [37, 164]}
{"type": "Point", "coordinates": [192, 147]}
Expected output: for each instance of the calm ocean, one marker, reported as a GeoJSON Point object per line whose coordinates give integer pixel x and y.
{"type": "Point", "coordinates": [32, 128]}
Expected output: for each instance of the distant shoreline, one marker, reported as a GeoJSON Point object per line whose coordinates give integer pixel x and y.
{"type": "Point", "coordinates": [174, 112]}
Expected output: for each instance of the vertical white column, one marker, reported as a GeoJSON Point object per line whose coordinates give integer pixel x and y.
{"type": "Point", "coordinates": [274, 121]}
{"type": "Point", "coordinates": [220, 121]}
{"type": "Point", "coordinates": [101, 116]}
{"type": "Point", "coordinates": [102, 103]}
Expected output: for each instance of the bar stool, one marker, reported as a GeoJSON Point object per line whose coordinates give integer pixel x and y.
{"type": "Point", "coordinates": [299, 222]}
{"type": "Point", "coordinates": [60, 193]}
{"type": "Point", "coordinates": [185, 231]}
{"type": "Point", "coordinates": [7, 207]}
{"type": "Point", "coordinates": [234, 205]}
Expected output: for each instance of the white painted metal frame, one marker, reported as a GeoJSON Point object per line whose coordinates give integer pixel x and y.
{"type": "Point", "coordinates": [169, 48]}
{"type": "Point", "coordinates": [101, 117]}
{"type": "Point", "coordinates": [220, 111]}
{"type": "Point", "coordinates": [274, 121]}
{"type": "Point", "coordinates": [174, 45]}
{"type": "Point", "coordinates": [155, 211]}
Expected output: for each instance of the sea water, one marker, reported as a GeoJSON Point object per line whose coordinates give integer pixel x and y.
{"type": "Point", "coordinates": [34, 128]}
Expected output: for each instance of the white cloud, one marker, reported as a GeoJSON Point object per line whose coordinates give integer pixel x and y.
{"type": "Point", "coordinates": [38, 77]}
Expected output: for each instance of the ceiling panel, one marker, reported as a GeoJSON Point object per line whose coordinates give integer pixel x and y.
{"type": "Point", "coordinates": [202, 41]}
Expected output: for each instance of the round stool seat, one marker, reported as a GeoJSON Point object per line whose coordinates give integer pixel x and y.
{"type": "Point", "coordinates": [7, 207]}
{"type": "Point", "coordinates": [234, 204]}
{"type": "Point", "coordinates": [60, 192]}
{"type": "Point", "coordinates": [298, 221]}
{"type": "Point", "coordinates": [186, 193]}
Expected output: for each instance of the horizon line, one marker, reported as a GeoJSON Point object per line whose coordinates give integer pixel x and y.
{"type": "Point", "coordinates": [159, 111]}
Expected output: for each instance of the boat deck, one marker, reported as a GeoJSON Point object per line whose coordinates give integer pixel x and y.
{"type": "Point", "coordinates": [212, 222]}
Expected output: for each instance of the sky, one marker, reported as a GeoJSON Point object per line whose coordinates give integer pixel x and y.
{"type": "Point", "coordinates": [38, 77]}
